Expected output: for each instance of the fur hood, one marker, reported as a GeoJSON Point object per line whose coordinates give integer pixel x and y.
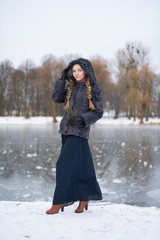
{"type": "Point", "coordinates": [86, 66]}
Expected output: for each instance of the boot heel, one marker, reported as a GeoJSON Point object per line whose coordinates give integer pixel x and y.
{"type": "Point", "coordinates": [62, 209]}
{"type": "Point", "coordinates": [86, 207]}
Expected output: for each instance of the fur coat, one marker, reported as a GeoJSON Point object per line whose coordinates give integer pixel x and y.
{"type": "Point", "coordinates": [79, 104]}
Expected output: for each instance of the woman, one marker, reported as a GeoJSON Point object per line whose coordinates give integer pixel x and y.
{"type": "Point", "coordinates": [75, 175]}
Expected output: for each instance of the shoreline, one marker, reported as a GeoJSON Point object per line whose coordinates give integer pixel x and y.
{"type": "Point", "coordinates": [11, 120]}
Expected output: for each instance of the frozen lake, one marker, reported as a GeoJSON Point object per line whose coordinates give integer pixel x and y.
{"type": "Point", "coordinates": [126, 160]}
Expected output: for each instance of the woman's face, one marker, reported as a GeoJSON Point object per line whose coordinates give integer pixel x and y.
{"type": "Point", "coordinates": [78, 72]}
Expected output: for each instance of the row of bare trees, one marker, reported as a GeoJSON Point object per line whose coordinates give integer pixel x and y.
{"type": "Point", "coordinates": [138, 87]}
{"type": "Point", "coordinates": [129, 85]}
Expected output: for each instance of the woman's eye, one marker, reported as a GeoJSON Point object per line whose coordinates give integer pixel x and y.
{"type": "Point", "coordinates": [80, 70]}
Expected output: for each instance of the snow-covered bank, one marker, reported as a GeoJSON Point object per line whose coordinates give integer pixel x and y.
{"type": "Point", "coordinates": [126, 121]}
{"type": "Point", "coordinates": [27, 121]}
{"type": "Point", "coordinates": [49, 120]}
{"type": "Point", "coordinates": [27, 220]}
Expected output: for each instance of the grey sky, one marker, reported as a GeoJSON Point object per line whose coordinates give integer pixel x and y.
{"type": "Point", "coordinates": [30, 29]}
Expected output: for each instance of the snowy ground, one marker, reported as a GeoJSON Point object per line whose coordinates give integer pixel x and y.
{"type": "Point", "coordinates": [103, 221]}
{"type": "Point", "coordinates": [49, 120]}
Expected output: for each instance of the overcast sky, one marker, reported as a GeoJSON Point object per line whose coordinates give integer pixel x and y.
{"type": "Point", "coordinates": [30, 29]}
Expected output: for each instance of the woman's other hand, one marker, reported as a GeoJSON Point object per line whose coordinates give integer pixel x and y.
{"type": "Point", "coordinates": [76, 121]}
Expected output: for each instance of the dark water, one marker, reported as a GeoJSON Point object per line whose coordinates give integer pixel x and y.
{"type": "Point", "coordinates": [126, 160]}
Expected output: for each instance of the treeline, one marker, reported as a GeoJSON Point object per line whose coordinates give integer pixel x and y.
{"type": "Point", "coordinates": [129, 85]}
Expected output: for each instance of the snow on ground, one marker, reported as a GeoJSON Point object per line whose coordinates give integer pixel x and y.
{"type": "Point", "coordinates": [26, 121]}
{"type": "Point", "coordinates": [49, 120]}
{"type": "Point", "coordinates": [103, 221]}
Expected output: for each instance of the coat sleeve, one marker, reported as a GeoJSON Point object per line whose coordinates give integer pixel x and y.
{"type": "Point", "coordinates": [59, 91]}
{"type": "Point", "coordinates": [91, 116]}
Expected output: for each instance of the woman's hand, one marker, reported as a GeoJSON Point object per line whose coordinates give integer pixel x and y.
{"type": "Point", "coordinates": [64, 75]}
{"type": "Point", "coordinates": [76, 121]}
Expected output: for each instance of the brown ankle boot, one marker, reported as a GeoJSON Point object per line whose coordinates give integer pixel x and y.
{"type": "Point", "coordinates": [55, 209]}
{"type": "Point", "coordinates": [82, 205]}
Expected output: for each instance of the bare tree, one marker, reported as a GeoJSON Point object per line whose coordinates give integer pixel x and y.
{"type": "Point", "coordinates": [156, 111]}
{"type": "Point", "coordinates": [27, 90]}
{"type": "Point", "coordinates": [16, 88]}
{"type": "Point", "coordinates": [103, 76]}
{"type": "Point", "coordinates": [128, 62]}
{"type": "Point", "coordinates": [145, 88]}
{"type": "Point", "coordinates": [51, 70]}
{"type": "Point", "coordinates": [5, 72]}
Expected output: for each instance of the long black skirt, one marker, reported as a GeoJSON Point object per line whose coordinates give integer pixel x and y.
{"type": "Point", "coordinates": [75, 174]}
